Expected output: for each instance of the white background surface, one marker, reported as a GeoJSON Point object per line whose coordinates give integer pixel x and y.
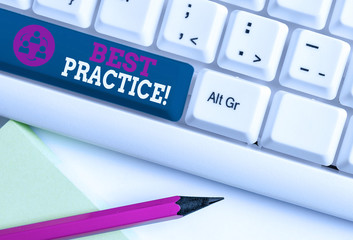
{"type": "Point", "coordinates": [111, 179]}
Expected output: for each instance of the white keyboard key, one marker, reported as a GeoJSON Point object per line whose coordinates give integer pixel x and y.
{"type": "Point", "coordinates": [256, 5]}
{"type": "Point", "coordinates": [314, 63]}
{"type": "Point", "coordinates": [228, 106]}
{"type": "Point", "coordinates": [345, 157]}
{"type": "Point", "coordinates": [171, 145]}
{"type": "Point", "coordinates": [346, 96]}
{"type": "Point", "coordinates": [247, 47]}
{"type": "Point", "coordinates": [303, 128]}
{"type": "Point", "coordinates": [310, 13]}
{"type": "Point", "coordinates": [22, 4]}
{"type": "Point", "coordinates": [133, 21]}
{"type": "Point", "coordinates": [192, 28]}
{"type": "Point", "coordinates": [75, 12]}
{"type": "Point", "coordinates": [342, 19]}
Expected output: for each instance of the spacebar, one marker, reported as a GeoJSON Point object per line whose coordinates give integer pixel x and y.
{"type": "Point", "coordinates": [236, 165]}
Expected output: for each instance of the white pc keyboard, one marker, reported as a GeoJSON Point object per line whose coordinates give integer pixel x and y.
{"type": "Point", "coordinates": [256, 94]}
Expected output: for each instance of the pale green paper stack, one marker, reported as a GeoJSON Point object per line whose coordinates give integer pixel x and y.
{"type": "Point", "coordinates": [32, 189]}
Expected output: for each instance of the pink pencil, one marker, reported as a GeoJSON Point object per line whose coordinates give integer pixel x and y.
{"type": "Point", "coordinates": [110, 219]}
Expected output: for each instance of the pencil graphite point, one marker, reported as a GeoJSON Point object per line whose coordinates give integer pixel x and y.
{"type": "Point", "coordinates": [191, 204]}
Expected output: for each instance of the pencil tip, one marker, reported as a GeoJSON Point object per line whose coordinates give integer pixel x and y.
{"type": "Point", "coordinates": [214, 200]}
{"type": "Point", "coordinates": [191, 204]}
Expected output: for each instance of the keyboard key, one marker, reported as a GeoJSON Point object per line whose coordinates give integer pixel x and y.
{"type": "Point", "coordinates": [133, 21]}
{"type": "Point", "coordinates": [192, 28]}
{"type": "Point", "coordinates": [346, 96]}
{"type": "Point", "coordinates": [345, 157]}
{"type": "Point", "coordinates": [92, 66]}
{"type": "Point", "coordinates": [303, 128]}
{"type": "Point", "coordinates": [237, 165]}
{"type": "Point", "coordinates": [247, 47]}
{"type": "Point", "coordinates": [228, 106]}
{"type": "Point", "coordinates": [75, 12]}
{"type": "Point", "coordinates": [256, 5]}
{"type": "Point", "coordinates": [314, 64]}
{"type": "Point", "coordinates": [310, 13]}
{"type": "Point", "coordinates": [342, 19]}
{"type": "Point", "coordinates": [22, 4]}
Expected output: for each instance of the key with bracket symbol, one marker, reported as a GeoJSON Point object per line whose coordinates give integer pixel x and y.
{"type": "Point", "coordinates": [249, 50]}
{"type": "Point", "coordinates": [180, 32]}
